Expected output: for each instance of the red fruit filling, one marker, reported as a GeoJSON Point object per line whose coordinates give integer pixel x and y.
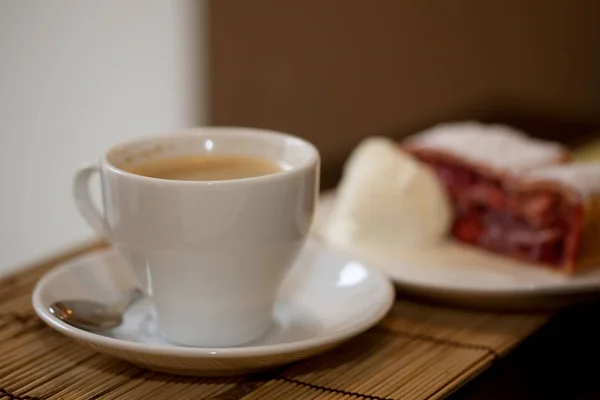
{"type": "Point", "coordinates": [537, 226]}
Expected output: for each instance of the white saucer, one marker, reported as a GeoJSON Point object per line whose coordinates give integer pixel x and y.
{"type": "Point", "coordinates": [465, 276]}
{"type": "Point", "coordinates": [326, 299]}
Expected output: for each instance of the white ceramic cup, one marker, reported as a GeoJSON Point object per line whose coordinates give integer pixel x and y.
{"type": "Point", "coordinates": [211, 255]}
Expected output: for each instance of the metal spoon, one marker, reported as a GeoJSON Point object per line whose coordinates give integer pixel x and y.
{"type": "Point", "coordinates": [91, 315]}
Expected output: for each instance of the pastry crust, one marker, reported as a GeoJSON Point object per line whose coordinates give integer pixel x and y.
{"type": "Point", "coordinates": [497, 151]}
{"type": "Point", "coordinates": [579, 186]}
{"type": "Point", "coordinates": [588, 254]}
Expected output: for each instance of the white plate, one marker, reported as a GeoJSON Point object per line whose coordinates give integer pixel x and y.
{"type": "Point", "coordinates": [326, 299]}
{"type": "Point", "coordinates": [463, 275]}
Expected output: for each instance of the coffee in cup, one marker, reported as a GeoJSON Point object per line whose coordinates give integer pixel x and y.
{"type": "Point", "coordinates": [205, 168]}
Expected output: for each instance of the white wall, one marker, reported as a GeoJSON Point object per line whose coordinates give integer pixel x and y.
{"type": "Point", "coordinates": [77, 76]}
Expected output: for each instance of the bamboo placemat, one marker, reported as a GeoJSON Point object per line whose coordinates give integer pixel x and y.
{"type": "Point", "coordinates": [418, 352]}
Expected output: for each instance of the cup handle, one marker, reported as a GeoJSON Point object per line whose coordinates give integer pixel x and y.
{"type": "Point", "coordinates": [84, 202]}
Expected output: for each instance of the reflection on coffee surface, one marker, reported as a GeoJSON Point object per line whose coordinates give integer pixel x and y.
{"type": "Point", "coordinates": [205, 168]}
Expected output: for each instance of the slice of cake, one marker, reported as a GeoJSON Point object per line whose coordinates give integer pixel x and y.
{"type": "Point", "coordinates": [499, 201]}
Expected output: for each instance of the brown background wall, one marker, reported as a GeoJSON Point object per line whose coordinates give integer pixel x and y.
{"type": "Point", "coordinates": [335, 71]}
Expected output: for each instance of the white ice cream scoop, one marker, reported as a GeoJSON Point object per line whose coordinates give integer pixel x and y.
{"type": "Point", "coordinates": [389, 198]}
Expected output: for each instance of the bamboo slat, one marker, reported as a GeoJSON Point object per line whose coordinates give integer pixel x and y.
{"type": "Point", "coordinates": [417, 352]}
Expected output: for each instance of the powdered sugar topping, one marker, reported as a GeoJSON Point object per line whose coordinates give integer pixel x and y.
{"type": "Point", "coordinates": [497, 146]}
{"type": "Point", "coordinates": [579, 176]}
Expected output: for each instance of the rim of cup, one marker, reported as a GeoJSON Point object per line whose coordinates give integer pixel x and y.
{"type": "Point", "coordinates": [312, 161]}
